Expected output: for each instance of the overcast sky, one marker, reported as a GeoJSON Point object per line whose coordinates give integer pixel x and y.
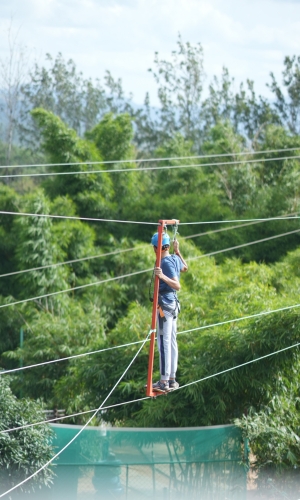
{"type": "Point", "coordinates": [250, 37]}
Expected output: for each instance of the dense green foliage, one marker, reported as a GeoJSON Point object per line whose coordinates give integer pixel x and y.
{"type": "Point", "coordinates": [22, 452]}
{"type": "Point", "coordinates": [91, 304]}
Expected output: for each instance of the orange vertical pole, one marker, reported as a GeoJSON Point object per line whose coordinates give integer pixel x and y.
{"type": "Point", "coordinates": [162, 223]}
{"type": "Point", "coordinates": [149, 391]}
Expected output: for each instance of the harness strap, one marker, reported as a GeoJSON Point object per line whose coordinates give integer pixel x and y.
{"type": "Point", "coordinates": [164, 306]}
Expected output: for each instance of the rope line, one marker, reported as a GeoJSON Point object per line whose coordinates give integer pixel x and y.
{"type": "Point", "coordinates": [143, 271]}
{"type": "Point", "coordinates": [81, 430]}
{"type": "Point", "coordinates": [70, 261]}
{"type": "Point", "coordinates": [73, 217]}
{"type": "Point", "coordinates": [141, 160]}
{"type": "Point", "coordinates": [220, 230]}
{"type": "Point", "coordinates": [267, 219]}
{"type": "Point", "coordinates": [79, 287]}
{"type": "Point", "coordinates": [262, 219]}
{"type": "Point", "coordinates": [203, 327]}
{"type": "Point", "coordinates": [245, 244]}
{"type": "Point", "coordinates": [147, 397]}
{"type": "Point", "coordinates": [145, 169]}
{"type": "Point", "coordinates": [5, 431]}
{"type": "Point", "coordinates": [239, 366]}
{"type": "Point", "coordinates": [116, 252]}
{"type": "Point", "coordinates": [251, 316]}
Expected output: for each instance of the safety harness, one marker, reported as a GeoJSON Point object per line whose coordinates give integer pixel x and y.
{"type": "Point", "coordinates": [165, 307]}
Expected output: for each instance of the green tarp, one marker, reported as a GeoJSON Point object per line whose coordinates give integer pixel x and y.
{"type": "Point", "coordinates": [186, 463]}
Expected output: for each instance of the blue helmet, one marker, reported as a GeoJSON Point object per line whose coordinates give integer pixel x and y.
{"type": "Point", "coordinates": [165, 239]}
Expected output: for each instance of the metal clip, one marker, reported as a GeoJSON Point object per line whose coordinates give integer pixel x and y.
{"type": "Point", "coordinates": [175, 229]}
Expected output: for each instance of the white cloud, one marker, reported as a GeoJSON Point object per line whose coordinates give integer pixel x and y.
{"type": "Point", "coordinates": [250, 38]}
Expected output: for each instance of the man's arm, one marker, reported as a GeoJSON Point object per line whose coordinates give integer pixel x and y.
{"type": "Point", "coordinates": [177, 252]}
{"type": "Point", "coordinates": [172, 282]}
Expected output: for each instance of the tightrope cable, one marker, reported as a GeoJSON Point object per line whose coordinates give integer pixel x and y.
{"type": "Point", "coordinates": [198, 328]}
{"type": "Point", "coordinates": [145, 169]}
{"type": "Point", "coordinates": [79, 287]}
{"type": "Point", "coordinates": [147, 160]}
{"type": "Point", "coordinates": [221, 229]}
{"type": "Point", "coordinates": [75, 356]}
{"type": "Point", "coordinates": [143, 271]}
{"type": "Point", "coordinates": [116, 252]}
{"type": "Point", "coordinates": [73, 217]}
{"type": "Point", "coordinates": [94, 219]}
{"type": "Point", "coordinates": [260, 219]}
{"type": "Point", "coordinates": [239, 366]}
{"type": "Point", "coordinates": [78, 414]}
{"type": "Point", "coordinates": [245, 244]}
{"type": "Point", "coordinates": [147, 397]}
{"type": "Point", "coordinates": [81, 430]}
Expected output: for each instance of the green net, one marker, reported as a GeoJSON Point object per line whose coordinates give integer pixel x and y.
{"type": "Point", "coordinates": [106, 463]}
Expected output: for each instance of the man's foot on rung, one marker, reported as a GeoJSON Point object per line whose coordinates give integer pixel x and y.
{"type": "Point", "coordinates": [161, 386]}
{"type": "Point", "coordinates": [173, 385]}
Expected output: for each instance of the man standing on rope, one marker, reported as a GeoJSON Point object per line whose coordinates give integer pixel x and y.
{"type": "Point", "coordinates": [168, 309]}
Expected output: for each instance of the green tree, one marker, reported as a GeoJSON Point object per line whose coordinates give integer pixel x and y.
{"type": "Point", "coordinates": [287, 98]}
{"type": "Point", "coordinates": [113, 137]}
{"type": "Point", "coordinates": [76, 240]}
{"type": "Point", "coordinates": [9, 200]}
{"type": "Point", "coordinates": [93, 379]}
{"type": "Point", "coordinates": [91, 192]}
{"type": "Point", "coordinates": [184, 109]}
{"type": "Point", "coordinates": [11, 322]}
{"type": "Point", "coordinates": [58, 87]}
{"type": "Point", "coordinates": [24, 451]}
{"type": "Point", "coordinates": [49, 336]}
{"type": "Point", "coordinates": [13, 73]}
{"type": "Point", "coordinates": [36, 248]}
{"type": "Point", "coordinates": [252, 187]}
{"type": "Point", "coordinates": [273, 434]}
{"type": "Point", "coordinates": [238, 181]}
{"type": "Point", "coordinates": [147, 133]}
{"type": "Point", "coordinates": [247, 113]}
{"type": "Point", "coordinates": [219, 105]}
{"type": "Point", "coordinates": [252, 113]}
{"type": "Point", "coordinates": [277, 137]}
{"type": "Point", "coordinates": [184, 187]}
{"type": "Point", "coordinates": [180, 85]}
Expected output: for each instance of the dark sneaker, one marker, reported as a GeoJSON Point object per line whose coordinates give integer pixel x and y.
{"type": "Point", "coordinates": [161, 386]}
{"type": "Point", "coordinates": [173, 385]}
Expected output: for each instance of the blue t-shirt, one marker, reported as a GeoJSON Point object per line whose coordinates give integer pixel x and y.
{"type": "Point", "coordinates": [171, 267]}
